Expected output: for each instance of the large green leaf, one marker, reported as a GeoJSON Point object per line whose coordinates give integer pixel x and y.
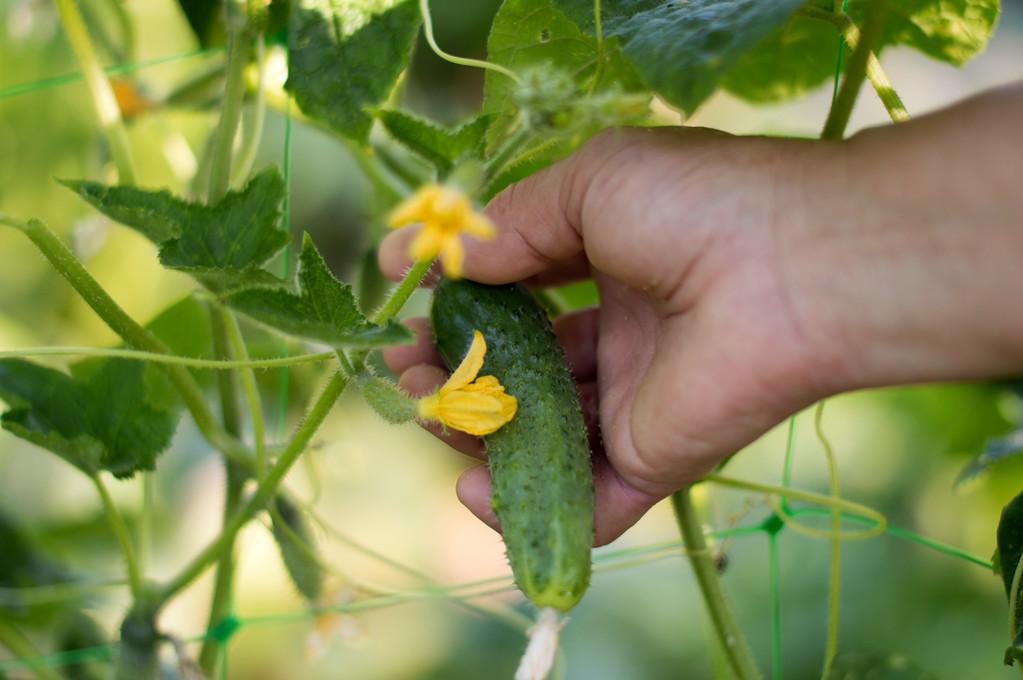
{"type": "Point", "coordinates": [561, 63]}
{"type": "Point", "coordinates": [572, 86]}
{"type": "Point", "coordinates": [796, 57]}
{"type": "Point", "coordinates": [682, 50]}
{"type": "Point", "coordinates": [948, 30]}
{"type": "Point", "coordinates": [1010, 548]}
{"type": "Point", "coordinates": [323, 309]}
{"type": "Point", "coordinates": [800, 54]}
{"type": "Point", "coordinates": [98, 418]}
{"type": "Point", "coordinates": [345, 57]}
{"type": "Point", "coordinates": [442, 146]}
{"type": "Point", "coordinates": [220, 244]}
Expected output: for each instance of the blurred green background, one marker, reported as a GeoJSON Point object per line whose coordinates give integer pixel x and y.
{"type": "Point", "coordinates": [912, 611]}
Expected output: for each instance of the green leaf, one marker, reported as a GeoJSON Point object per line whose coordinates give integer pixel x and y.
{"type": "Point", "coordinates": [440, 145]}
{"type": "Point", "coordinates": [1010, 548]}
{"type": "Point", "coordinates": [99, 418]}
{"type": "Point", "coordinates": [571, 88]}
{"type": "Point", "coordinates": [323, 309]}
{"type": "Point", "coordinates": [387, 399]}
{"type": "Point", "coordinates": [952, 31]}
{"type": "Point", "coordinates": [795, 58]}
{"type": "Point", "coordinates": [298, 550]}
{"type": "Point", "coordinates": [222, 244]}
{"type": "Point", "coordinates": [801, 54]}
{"type": "Point", "coordinates": [563, 66]}
{"type": "Point", "coordinates": [682, 50]}
{"type": "Point", "coordinates": [345, 57]}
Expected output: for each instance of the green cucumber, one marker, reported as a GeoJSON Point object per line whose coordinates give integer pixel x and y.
{"type": "Point", "coordinates": [540, 467]}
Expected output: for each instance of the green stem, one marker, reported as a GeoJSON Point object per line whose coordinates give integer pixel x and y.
{"type": "Point", "coordinates": [399, 295]}
{"type": "Point", "coordinates": [855, 72]}
{"type": "Point", "coordinates": [253, 133]}
{"type": "Point", "coordinates": [496, 163]}
{"type": "Point", "coordinates": [64, 261]}
{"type": "Point", "coordinates": [22, 648]}
{"type": "Point", "coordinates": [402, 292]}
{"type": "Point", "coordinates": [250, 390]}
{"type": "Point", "coordinates": [156, 358]}
{"type": "Point", "coordinates": [424, 9]}
{"type": "Point", "coordinates": [729, 635]}
{"type": "Point", "coordinates": [220, 603]}
{"type": "Point", "coordinates": [835, 557]}
{"type": "Point", "coordinates": [773, 576]}
{"type": "Point", "coordinates": [103, 100]}
{"type": "Point", "coordinates": [239, 44]}
{"type": "Point", "coordinates": [266, 489]}
{"type": "Point", "coordinates": [875, 73]}
{"type": "Point", "coordinates": [144, 534]}
{"type": "Point", "coordinates": [880, 522]}
{"type": "Point", "coordinates": [121, 533]}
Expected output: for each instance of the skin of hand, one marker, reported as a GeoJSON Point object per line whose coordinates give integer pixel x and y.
{"type": "Point", "coordinates": [744, 278]}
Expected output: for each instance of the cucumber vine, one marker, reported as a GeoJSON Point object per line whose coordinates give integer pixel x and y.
{"type": "Point", "coordinates": [556, 72]}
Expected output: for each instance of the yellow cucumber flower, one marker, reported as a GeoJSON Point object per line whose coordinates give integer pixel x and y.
{"type": "Point", "coordinates": [445, 213]}
{"type": "Point", "coordinates": [478, 406]}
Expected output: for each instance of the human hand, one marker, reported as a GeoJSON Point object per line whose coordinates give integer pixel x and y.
{"type": "Point", "coordinates": [742, 279]}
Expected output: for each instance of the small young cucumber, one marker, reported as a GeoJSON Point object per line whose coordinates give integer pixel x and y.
{"type": "Point", "coordinates": [540, 469]}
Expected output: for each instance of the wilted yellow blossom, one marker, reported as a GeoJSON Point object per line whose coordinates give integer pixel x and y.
{"type": "Point", "coordinates": [478, 406]}
{"type": "Point", "coordinates": [445, 213]}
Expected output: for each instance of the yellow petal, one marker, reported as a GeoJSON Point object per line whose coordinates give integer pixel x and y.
{"type": "Point", "coordinates": [415, 208]}
{"type": "Point", "coordinates": [427, 243]}
{"type": "Point", "coordinates": [452, 255]}
{"type": "Point", "coordinates": [478, 226]}
{"type": "Point", "coordinates": [426, 407]}
{"type": "Point", "coordinates": [485, 383]}
{"type": "Point", "coordinates": [475, 412]}
{"type": "Point", "coordinates": [470, 366]}
{"type": "Point", "coordinates": [451, 201]}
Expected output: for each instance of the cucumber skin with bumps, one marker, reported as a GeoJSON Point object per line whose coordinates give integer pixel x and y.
{"type": "Point", "coordinates": [540, 468]}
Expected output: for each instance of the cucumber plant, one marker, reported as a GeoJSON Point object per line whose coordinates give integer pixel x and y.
{"type": "Point", "coordinates": [556, 72]}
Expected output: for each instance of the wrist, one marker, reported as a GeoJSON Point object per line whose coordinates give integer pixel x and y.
{"type": "Point", "coordinates": [903, 268]}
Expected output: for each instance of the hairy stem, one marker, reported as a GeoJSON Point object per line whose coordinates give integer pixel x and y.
{"type": "Point", "coordinates": [173, 359]}
{"type": "Point", "coordinates": [239, 44]}
{"type": "Point", "coordinates": [402, 292]}
{"type": "Point", "coordinates": [64, 261]}
{"type": "Point", "coordinates": [855, 72]}
{"type": "Point", "coordinates": [220, 602]}
{"type": "Point", "coordinates": [253, 132]}
{"type": "Point", "coordinates": [103, 100]}
{"type": "Point", "coordinates": [729, 635]}
{"type": "Point", "coordinates": [875, 73]}
{"type": "Point", "coordinates": [250, 390]}
{"type": "Point", "coordinates": [122, 534]}
{"type": "Point", "coordinates": [266, 489]}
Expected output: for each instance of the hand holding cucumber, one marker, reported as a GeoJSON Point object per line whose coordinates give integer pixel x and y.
{"type": "Point", "coordinates": [744, 278]}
